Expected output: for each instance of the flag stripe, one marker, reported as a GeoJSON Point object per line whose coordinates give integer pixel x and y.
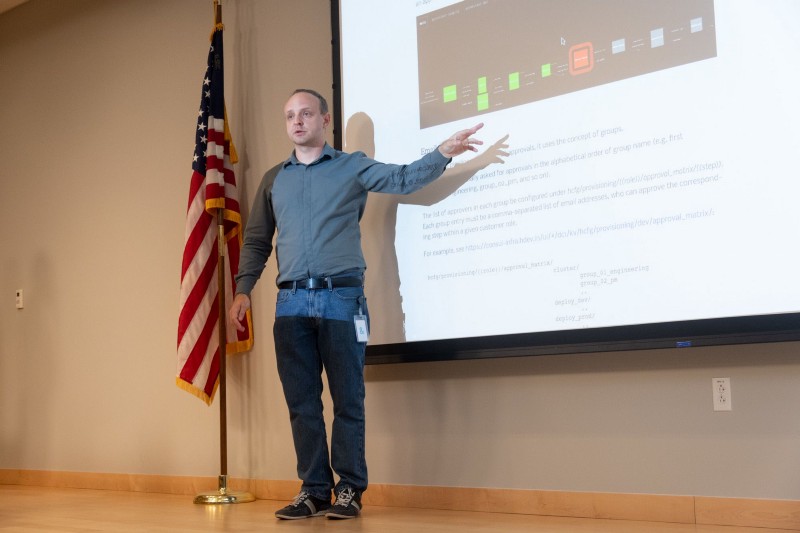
{"type": "Point", "coordinates": [198, 352]}
{"type": "Point", "coordinates": [197, 240]}
{"type": "Point", "coordinates": [197, 293]}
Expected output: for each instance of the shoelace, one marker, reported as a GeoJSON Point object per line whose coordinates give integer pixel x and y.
{"type": "Point", "coordinates": [300, 498]}
{"type": "Point", "coordinates": [344, 497]}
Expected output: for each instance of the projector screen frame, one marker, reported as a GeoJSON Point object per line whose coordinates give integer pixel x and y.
{"type": "Point", "coordinates": [733, 330]}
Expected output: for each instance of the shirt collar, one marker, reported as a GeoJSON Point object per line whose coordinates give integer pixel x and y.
{"type": "Point", "coordinates": [327, 153]}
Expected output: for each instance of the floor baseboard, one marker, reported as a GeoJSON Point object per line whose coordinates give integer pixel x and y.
{"type": "Point", "coordinates": [776, 514]}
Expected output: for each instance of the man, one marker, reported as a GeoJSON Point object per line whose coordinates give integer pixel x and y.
{"type": "Point", "coordinates": [314, 200]}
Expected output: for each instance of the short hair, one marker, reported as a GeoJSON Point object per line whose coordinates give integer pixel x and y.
{"type": "Point", "coordinates": [323, 104]}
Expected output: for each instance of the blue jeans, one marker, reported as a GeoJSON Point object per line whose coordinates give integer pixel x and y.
{"type": "Point", "coordinates": [314, 329]}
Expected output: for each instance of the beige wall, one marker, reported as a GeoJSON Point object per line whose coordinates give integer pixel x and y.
{"type": "Point", "coordinates": [98, 102]}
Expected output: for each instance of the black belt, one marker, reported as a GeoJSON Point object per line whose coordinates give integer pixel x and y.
{"type": "Point", "coordinates": [321, 283]}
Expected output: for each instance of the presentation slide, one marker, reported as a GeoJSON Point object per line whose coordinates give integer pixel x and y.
{"type": "Point", "coordinates": [639, 163]}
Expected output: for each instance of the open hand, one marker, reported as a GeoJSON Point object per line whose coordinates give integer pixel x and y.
{"type": "Point", "coordinates": [460, 142]}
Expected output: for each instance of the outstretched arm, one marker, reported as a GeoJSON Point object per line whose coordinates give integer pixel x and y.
{"type": "Point", "coordinates": [460, 142]}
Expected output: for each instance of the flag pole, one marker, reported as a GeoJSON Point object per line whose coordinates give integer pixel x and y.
{"type": "Point", "coordinates": [222, 494]}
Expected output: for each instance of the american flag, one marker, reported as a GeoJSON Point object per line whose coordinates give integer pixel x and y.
{"type": "Point", "coordinates": [213, 187]}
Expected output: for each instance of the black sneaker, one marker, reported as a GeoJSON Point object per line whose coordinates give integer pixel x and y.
{"type": "Point", "coordinates": [347, 504]}
{"type": "Point", "coordinates": [304, 506]}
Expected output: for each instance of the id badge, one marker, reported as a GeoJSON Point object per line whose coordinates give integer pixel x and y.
{"type": "Point", "coordinates": [362, 331]}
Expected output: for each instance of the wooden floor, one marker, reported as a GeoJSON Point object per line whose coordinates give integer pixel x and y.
{"type": "Point", "coordinates": [24, 508]}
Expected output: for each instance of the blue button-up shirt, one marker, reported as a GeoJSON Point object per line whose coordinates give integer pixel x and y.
{"type": "Point", "coordinates": [316, 209]}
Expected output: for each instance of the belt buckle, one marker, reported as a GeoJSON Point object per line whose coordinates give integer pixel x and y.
{"type": "Point", "coordinates": [316, 283]}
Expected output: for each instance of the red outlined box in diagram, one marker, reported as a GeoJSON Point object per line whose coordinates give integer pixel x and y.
{"type": "Point", "coordinates": [581, 58]}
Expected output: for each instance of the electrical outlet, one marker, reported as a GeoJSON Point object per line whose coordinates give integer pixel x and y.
{"type": "Point", "coordinates": [19, 299]}
{"type": "Point", "coordinates": [721, 388]}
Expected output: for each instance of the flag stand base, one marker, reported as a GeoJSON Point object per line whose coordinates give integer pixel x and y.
{"type": "Point", "coordinates": [223, 495]}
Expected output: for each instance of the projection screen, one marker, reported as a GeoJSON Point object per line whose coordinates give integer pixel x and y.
{"type": "Point", "coordinates": [637, 187]}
